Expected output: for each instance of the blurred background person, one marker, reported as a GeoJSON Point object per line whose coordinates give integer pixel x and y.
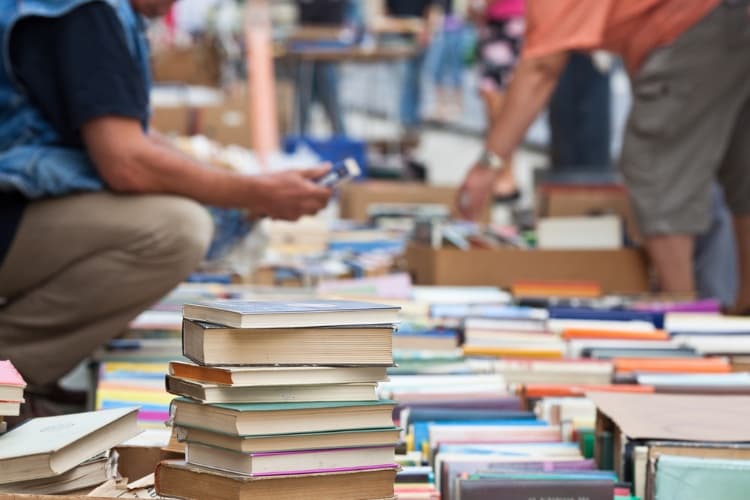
{"type": "Point", "coordinates": [501, 28]}
{"type": "Point", "coordinates": [447, 64]}
{"type": "Point", "coordinates": [675, 54]}
{"type": "Point", "coordinates": [318, 81]}
{"type": "Point", "coordinates": [580, 114]}
{"type": "Point", "coordinates": [410, 102]}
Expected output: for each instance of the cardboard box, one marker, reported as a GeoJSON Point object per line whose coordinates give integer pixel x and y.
{"type": "Point", "coordinates": [196, 64]}
{"type": "Point", "coordinates": [171, 120]}
{"type": "Point", "coordinates": [573, 200]}
{"type": "Point", "coordinates": [139, 461]}
{"type": "Point", "coordinates": [617, 271]}
{"type": "Point", "coordinates": [355, 198]}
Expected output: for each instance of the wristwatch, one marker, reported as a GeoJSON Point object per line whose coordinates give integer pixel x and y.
{"type": "Point", "coordinates": [491, 160]}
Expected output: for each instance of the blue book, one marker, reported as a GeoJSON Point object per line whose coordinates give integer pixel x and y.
{"type": "Point", "coordinates": [453, 414]}
{"type": "Point", "coordinates": [656, 318]}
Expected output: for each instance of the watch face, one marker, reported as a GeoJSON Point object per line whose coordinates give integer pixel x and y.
{"type": "Point", "coordinates": [492, 160]}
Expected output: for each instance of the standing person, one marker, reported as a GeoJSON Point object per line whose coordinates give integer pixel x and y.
{"type": "Point", "coordinates": [448, 57]}
{"type": "Point", "coordinates": [99, 217]}
{"type": "Point", "coordinates": [580, 117]}
{"type": "Point", "coordinates": [501, 27]}
{"type": "Point", "coordinates": [318, 81]}
{"type": "Point", "coordinates": [411, 87]}
{"type": "Point", "coordinates": [690, 122]}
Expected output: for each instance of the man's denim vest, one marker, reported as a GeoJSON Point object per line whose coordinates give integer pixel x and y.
{"type": "Point", "coordinates": [32, 160]}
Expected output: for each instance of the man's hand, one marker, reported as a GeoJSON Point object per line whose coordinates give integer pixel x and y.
{"type": "Point", "coordinates": [475, 192]}
{"type": "Point", "coordinates": [290, 195]}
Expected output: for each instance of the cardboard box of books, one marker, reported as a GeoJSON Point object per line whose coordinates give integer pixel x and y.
{"type": "Point", "coordinates": [356, 198]}
{"type": "Point", "coordinates": [586, 200]}
{"type": "Point", "coordinates": [622, 271]}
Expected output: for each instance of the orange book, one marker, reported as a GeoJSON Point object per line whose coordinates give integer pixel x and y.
{"type": "Point", "coordinates": [672, 365]}
{"type": "Point", "coordinates": [578, 333]}
{"type": "Point", "coordinates": [509, 352]}
{"type": "Point", "coordinates": [567, 390]}
{"type": "Point", "coordinates": [573, 289]}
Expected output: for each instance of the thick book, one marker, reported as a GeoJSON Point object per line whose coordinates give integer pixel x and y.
{"type": "Point", "coordinates": [180, 480]}
{"type": "Point", "coordinates": [282, 418]}
{"type": "Point", "coordinates": [45, 447]}
{"type": "Point", "coordinates": [672, 365]}
{"type": "Point", "coordinates": [213, 345]}
{"type": "Point", "coordinates": [12, 383]}
{"type": "Point", "coordinates": [279, 463]}
{"type": "Point", "coordinates": [519, 489]}
{"type": "Point", "coordinates": [564, 371]}
{"type": "Point", "coordinates": [489, 403]}
{"type": "Point", "coordinates": [89, 474]}
{"type": "Point", "coordinates": [604, 232]}
{"type": "Point", "coordinates": [589, 333]}
{"type": "Point", "coordinates": [689, 478]}
{"type": "Point", "coordinates": [676, 417]}
{"type": "Point", "coordinates": [354, 438]}
{"type": "Point", "coordinates": [584, 313]}
{"type": "Point", "coordinates": [277, 375]}
{"type": "Point", "coordinates": [213, 393]}
{"type": "Point", "coordinates": [295, 314]}
{"type": "Point", "coordinates": [9, 408]}
{"type": "Point", "coordinates": [453, 468]}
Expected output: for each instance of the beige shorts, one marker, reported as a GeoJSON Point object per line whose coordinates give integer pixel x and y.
{"type": "Point", "coordinates": [690, 125]}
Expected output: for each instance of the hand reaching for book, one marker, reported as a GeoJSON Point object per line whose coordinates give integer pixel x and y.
{"type": "Point", "coordinates": [290, 195]}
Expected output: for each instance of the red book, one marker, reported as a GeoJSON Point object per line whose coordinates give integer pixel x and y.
{"type": "Point", "coordinates": [570, 390]}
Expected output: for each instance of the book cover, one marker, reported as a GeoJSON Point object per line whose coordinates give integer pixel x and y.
{"type": "Point", "coordinates": [677, 417]}
{"type": "Point", "coordinates": [689, 478]}
{"type": "Point", "coordinates": [9, 375]}
{"type": "Point", "coordinates": [44, 447]}
{"type": "Point", "coordinates": [175, 479]}
{"type": "Point", "coordinates": [255, 407]}
{"type": "Point", "coordinates": [257, 314]}
{"type": "Point", "coordinates": [481, 489]}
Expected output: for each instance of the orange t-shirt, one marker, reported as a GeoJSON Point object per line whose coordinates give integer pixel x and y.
{"type": "Point", "coordinates": [630, 28]}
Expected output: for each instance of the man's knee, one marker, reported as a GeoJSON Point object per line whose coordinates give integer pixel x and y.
{"type": "Point", "coordinates": [185, 231]}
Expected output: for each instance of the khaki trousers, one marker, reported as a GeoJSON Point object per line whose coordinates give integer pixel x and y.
{"type": "Point", "coordinates": [82, 267]}
{"type": "Point", "coordinates": [690, 125]}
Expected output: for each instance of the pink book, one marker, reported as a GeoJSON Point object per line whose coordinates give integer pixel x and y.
{"type": "Point", "coordinates": [9, 375]}
{"type": "Point", "coordinates": [12, 383]}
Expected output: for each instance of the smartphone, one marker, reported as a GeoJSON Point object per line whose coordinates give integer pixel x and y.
{"type": "Point", "coordinates": [340, 172]}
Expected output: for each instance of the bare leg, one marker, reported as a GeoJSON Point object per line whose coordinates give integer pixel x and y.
{"type": "Point", "coordinates": [672, 256]}
{"type": "Point", "coordinates": [493, 102]}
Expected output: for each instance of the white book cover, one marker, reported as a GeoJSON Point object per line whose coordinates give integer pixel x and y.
{"type": "Point", "coordinates": [580, 233]}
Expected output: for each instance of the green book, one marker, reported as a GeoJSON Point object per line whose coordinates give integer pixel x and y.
{"type": "Point", "coordinates": [257, 419]}
{"type": "Point", "coordinates": [587, 442]}
{"type": "Point", "coordinates": [689, 478]}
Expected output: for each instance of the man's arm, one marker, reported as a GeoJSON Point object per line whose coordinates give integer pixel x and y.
{"type": "Point", "coordinates": [532, 84]}
{"type": "Point", "coordinates": [130, 161]}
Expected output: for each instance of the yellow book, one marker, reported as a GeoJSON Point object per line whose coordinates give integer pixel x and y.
{"type": "Point", "coordinates": [509, 352]}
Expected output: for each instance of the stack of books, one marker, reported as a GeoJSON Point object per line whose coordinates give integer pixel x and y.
{"type": "Point", "coordinates": [280, 402]}
{"type": "Point", "coordinates": [64, 454]}
{"type": "Point", "coordinates": [12, 386]}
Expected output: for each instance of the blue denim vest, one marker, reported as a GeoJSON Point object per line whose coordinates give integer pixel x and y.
{"type": "Point", "coordinates": [31, 158]}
